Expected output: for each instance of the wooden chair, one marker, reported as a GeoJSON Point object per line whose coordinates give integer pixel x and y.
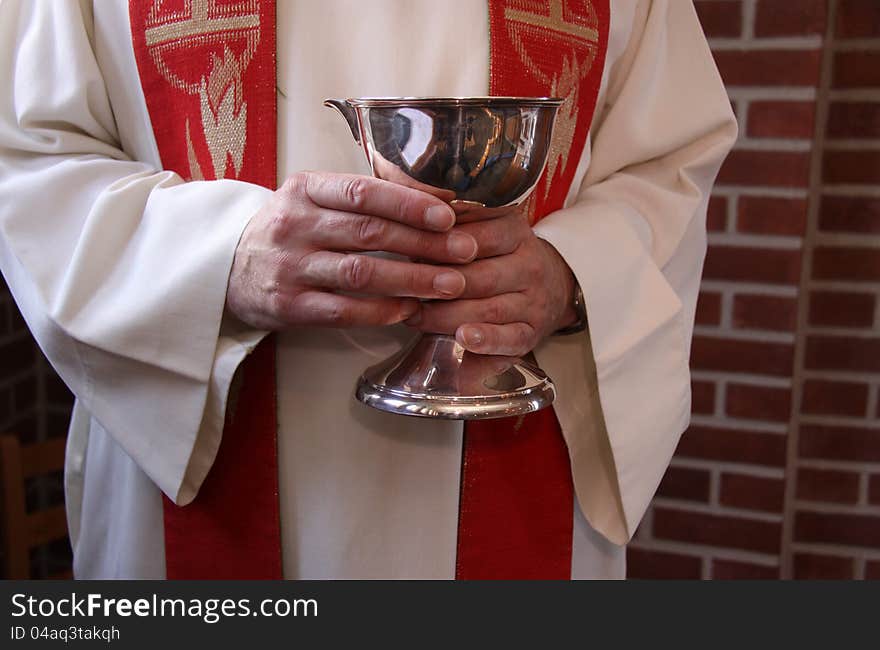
{"type": "Point", "coordinates": [23, 531]}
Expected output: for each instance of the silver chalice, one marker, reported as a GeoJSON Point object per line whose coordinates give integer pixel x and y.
{"type": "Point", "coordinates": [484, 156]}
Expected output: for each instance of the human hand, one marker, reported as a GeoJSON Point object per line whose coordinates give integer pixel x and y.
{"type": "Point", "coordinates": [518, 292]}
{"type": "Point", "coordinates": [296, 252]}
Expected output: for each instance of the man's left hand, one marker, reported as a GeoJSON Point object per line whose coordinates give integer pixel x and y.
{"type": "Point", "coordinates": [518, 291]}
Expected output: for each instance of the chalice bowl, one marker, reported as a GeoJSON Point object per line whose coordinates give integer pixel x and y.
{"type": "Point", "coordinates": [484, 156]}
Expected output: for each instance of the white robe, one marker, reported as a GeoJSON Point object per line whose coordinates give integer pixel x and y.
{"type": "Point", "coordinates": [120, 270]}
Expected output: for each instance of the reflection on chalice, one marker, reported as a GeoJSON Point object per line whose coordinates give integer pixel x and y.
{"type": "Point", "coordinates": [484, 156]}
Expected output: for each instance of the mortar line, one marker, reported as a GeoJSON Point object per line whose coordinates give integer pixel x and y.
{"type": "Point", "coordinates": [813, 201]}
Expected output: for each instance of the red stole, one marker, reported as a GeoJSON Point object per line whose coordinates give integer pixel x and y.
{"type": "Point", "coordinates": [207, 68]}
{"type": "Point", "coordinates": [517, 499]}
{"type": "Point", "coordinates": [208, 73]}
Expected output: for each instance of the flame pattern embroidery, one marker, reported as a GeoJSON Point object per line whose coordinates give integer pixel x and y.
{"type": "Point", "coordinates": [193, 50]}
{"type": "Point", "coordinates": [535, 28]}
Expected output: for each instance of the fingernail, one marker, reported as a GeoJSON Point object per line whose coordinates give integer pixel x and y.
{"type": "Point", "coordinates": [462, 246]}
{"type": "Point", "coordinates": [439, 217]}
{"type": "Point", "coordinates": [471, 336]}
{"type": "Point", "coordinates": [449, 283]}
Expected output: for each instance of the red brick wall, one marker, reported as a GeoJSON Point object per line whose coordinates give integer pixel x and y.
{"type": "Point", "coordinates": [34, 405]}
{"type": "Point", "coordinates": [779, 473]}
{"type": "Point", "coordinates": [18, 372]}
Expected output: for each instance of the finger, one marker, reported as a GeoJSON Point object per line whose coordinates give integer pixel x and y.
{"type": "Point", "coordinates": [499, 236]}
{"type": "Point", "coordinates": [476, 368]}
{"type": "Point", "coordinates": [372, 196]}
{"type": "Point", "coordinates": [465, 211]}
{"type": "Point", "coordinates": [446, 317]}
{"type": "Point", "coordinates": [344, 231]}
{"type": "Point", "coordinates": [377, 276]}
{"type": "Point", "coordinates": [511, 339]}
{"type": "Point", "coordinates": [324, 309]}
{"type": "Point", "coordinates": [494, 276]}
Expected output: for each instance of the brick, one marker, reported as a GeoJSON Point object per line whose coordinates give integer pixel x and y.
{"type": "Point", "coordinates": [716, 217]}
{"type": "Point", "coordinates": [872, 570]}
{"type": "Point", "coordinates": [850, 214]}
{"type": "Point", "coordinates": [768, 67]}
{"type": "Point", "coordinates": [787, 18]}
{"type": "Point", "coordinates": [830, 486]}
{"type": "Point", "coordinates": [835, 528]}
{"type": "Point", "coordinates": [766, 265]}
{"type": "Point", "coordinates": [26, 427]}
{"type": "Point", "coordinates": [857, 19]}
{"type": "Point", "coordinates": [709, 308]}
{"type": "Point", "coordinates": [18, 323]}
{"type": "Point", "coordinates": [874, 489]}
{"type": "Point", "coordinates": [763, 215]}
{"type": "Point", "coordinates": [766, 168]}
{"type": "Point", "coordinates": [6, 409]}
{"type": "Point", "coordinates": [733, 570]}
{"type": "Point", "coordinates": [856, 69]}
{"type": "Point", "coordinates": [851, 167]}
{"type": "Point", "coordinates": [841, 309]}
{"type": "Point", "coordinates": [57, 424]}
{"type": "Point", "coordinates": [775, 313]}
{"type": "Point", "coordinates": [781, 119]}
{"type": "Point", "coordinates": [752, 492]}
{"type": "Point", "coordinates": [720, 18]}
{"type": "Point", "coordinates": [733, 446]}
{"type": "Point", "coordinates": [758, 357]}
{"type": "Point", "coordinates": [17, 356]}
{"type": "Point", "coordinates": [703, 397]}
{"type": "Point", "coordinates": [5, 319]}
{"type": "Point", "coordinates": [685, 483]}
{"type": "Point", "coordinates": [758, 402]}
{"type": "Point", "coordinates": [807, 566]}
{"type": "Point", "coordinates": [856, 444]}
{"type": "Point", "coordinates": [843, 353]}
{"type": "Point", "coordinates": [853, 120]}
{"type": "Point", "coordinates": [717, 530]}
{"type": "Point", "coordinates": [656, 565]}
{"type": "Point", "coordinates": [823, 397]}
{"type": "Point", "coordinates": [25, 392]}
{"type": "Point", "coordinates": [846, 263]}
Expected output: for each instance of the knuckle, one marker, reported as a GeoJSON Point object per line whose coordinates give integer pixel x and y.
{"type": "Point", "coordinates": [523, 339]}
{"type": "Point", "coordinates": [296, 185]}
{"type": "Point", "coordinates": [415, 280]}
{"type": "Point", "coordinates": [296, 268]}
{"type": "Point", "coordinates": [279, 228]}
{"type": "Point", "coordinates": [354, 191]}
{"type": "Point", "coordinates": [338, 315]}
{"type": "Point", "coordinates": [357, 271]}
{"type": "Point", "coordinates": [533, 267]}
{"type": "Point", "coordinates": [371, 232]}
{"type": "Point", "coordinates": [493, 312]}
{"type": "Point", "coordinates": [406, 206]}
{"type": "Point", "coordinates": [424, 244]}
{"type": "Point", "coordinates": [491, 280]}
{"type": "Point", "coordinates": [278, 305]}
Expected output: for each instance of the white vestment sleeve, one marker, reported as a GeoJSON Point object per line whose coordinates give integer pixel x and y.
{"type": "Point", "coordinates": [635, 238]}
{"type": "Point", "coordinates": [119, 269]}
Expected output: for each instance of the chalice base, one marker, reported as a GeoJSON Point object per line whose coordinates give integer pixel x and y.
{"type": "Point", "coordinates": [434, 377]}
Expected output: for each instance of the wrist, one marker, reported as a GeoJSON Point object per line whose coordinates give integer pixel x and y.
{"type": "Point", "coordinates": [570, 316]}
{"type": "Point", "coordinates": [567, 314]}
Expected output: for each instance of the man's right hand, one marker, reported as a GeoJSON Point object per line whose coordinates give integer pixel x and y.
{"type": "Point", "coordinates": [295, 253]}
